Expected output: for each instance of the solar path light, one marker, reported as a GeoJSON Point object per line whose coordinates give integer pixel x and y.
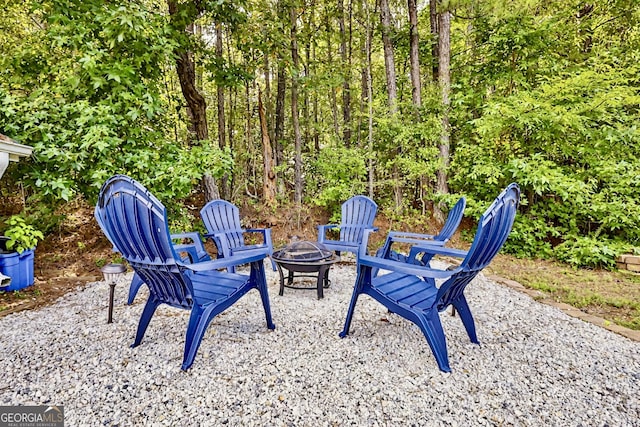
{"type": "Point", "coordinates": [112, 273]}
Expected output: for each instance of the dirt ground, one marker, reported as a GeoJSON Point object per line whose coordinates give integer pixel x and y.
{"type": "Point", "coordinates": [71, 258]}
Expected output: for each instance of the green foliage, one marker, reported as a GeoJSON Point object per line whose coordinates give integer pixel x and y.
{"type": "Point", "coordinates": [544, 93]}
{"type": "Point", "coordinates": [84, 93]}
{"type": "Point", "coordinates": [339, 173]}
{"type": "Point", "coordinates": [561, 121]}
{"type": "Point", "coordinates": [590, 252]}
{"type": "Point", "coordinates": [22, 236]}
{"type": "Point", "coordinates": [179, 169]}
{"type": "Point", "coordinates": [407, 147]}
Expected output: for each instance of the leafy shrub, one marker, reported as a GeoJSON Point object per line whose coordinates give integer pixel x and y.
{"type": "Point", "coordinates": [22, 236]}
{"type": "Point", "coordinates": [339, 174]}
{"type": "Point", "coordinates": [590, 252]}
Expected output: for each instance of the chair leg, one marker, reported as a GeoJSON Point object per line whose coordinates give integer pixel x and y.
{"type": "Point", "coordinates": [136, 282]}
{"type": "Point", "coordinates": [432, 329]}
{"type": "Point", "coordinates": [357, 289]}
{"type": "Point", "coordinates": [198, 322]}
{"type": "Point", "coordinates": [260, 279]}
{"type": "Point", "coordinates": [347, 322]}
{"type": "Point", "coordinates": [149, 308]}
{"type": "Point", "coordinates": [462, 307]}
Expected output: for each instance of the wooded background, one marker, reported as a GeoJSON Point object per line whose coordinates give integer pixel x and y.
{"type": "Point", "coordinates": [291, 102]}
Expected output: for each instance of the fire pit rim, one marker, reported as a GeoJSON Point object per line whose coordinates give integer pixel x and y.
{"type": "Point", "coordinates": [324, 254]}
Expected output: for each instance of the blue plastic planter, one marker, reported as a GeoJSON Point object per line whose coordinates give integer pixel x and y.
{"type": "Point", "coordinates": [19, 267]}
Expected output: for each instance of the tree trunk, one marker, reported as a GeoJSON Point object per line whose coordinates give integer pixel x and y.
{"type": "Point", "coordinates": [267, 94]}
{"type": "Point", "coordinates": [279, 131]}
{"type": "Point", "coordinates": [390, 71]}
{"type": "Point", "coordinates": [346, 75]}
{"type": "Point", "coordinates": [433, 20]}
{"type": "Point", "coordinates": [444, 79]}
{"type": "Point", "coordinates": [294, 109]}
{"type": "Point", "coordinates": [306, 108]}
{"type": "Point", "coordinates": [281, 89]}
{"type": "Point", "coordinates": [389, 63]}
{"type": "Point", "coordinates": [269, 176]}
{"type": "Point", "coordinates": [248, 136]}
{"type": "Point", "coordinates": [332, 92]}
{"type": "Point", "coordinates": [369, 91]}
{"type": "Point", "coordinates": [220, 98]}
{"type": "Point", "coordinates": [211, 191]}
{"type": "Point", "coordinates": [414, 54]}
{"type": "Point", "coordinates": [196, 104]}
{"type": "Point", "coordinates": [316, 131]}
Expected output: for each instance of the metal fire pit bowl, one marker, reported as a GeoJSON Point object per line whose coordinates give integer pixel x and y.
{"type": "Point", "coordinates": [305, 257]}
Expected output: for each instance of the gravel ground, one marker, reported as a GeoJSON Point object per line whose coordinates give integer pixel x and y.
{"type": "Point", "coordinates": [536, 365]}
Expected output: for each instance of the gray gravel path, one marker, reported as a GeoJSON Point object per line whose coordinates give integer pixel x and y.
{"type": "Point", "coordinates": [536, 366]}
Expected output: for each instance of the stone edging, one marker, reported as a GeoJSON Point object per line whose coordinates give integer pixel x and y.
{"type": "Point", "coordinates": [568, 309]}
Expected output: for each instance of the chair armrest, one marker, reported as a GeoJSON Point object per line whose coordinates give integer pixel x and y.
{"type": "Point", "coordinates": [221, 242]}
{"type": "Point", "coordinates": [362, 250]}
{"type": "Point", "coordinates": [325, 226]}
{"type": "Point", "coordinates": [436, 250]}
{"type": "Point", "coordinates": [195, 249]}
{"type": "Point", "coordinates": [406, 237]}
{"type": "Point", "coordinates": [266, 236]}
{"type": "Point", "coordinates": [408, 234]}
{"type": "Point", "coordinates": [322, 231]}
{"type": "Point", "coordinates": [243, 257]}
{"type": "Point", "coordinates": [415, 238]}
{"type": "Point", "coordinates": [403, 267]}
{"type": "Point", "coordinates": [193, 235]}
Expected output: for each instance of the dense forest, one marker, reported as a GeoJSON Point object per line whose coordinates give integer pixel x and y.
{"type": "Point", "coordinates": [305, 102]}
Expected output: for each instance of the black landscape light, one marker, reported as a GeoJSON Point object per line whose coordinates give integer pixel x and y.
{"type": "Point", "coordinates": [112, 273]}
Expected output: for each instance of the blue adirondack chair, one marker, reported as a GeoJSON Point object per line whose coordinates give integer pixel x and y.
{"type": "Point", "coordinates": [358, 214]}
{"type": "Point", "coordinates": [450, 226]}
{"type": "Point", "coordinates": [193, 251]}
{"type": "Point", "coordinates": [136, 223]}
{"type": "Point", "coordinates": [409, 290]}
{"type": "Point", "coordinates": [222, 220]}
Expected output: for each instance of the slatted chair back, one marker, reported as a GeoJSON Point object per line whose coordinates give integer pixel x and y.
{"type": "Point", "coordinates": [136, 223]}
{"type": "Point", "coordinates": [222, 220]}
{"type": "Point", "coordinates": [444, 235]}
{"type": "Point", "coordinates": [453, 221]}
{"type": "Point", "coordinates": [220, 216]}
{"type": "Point", "coordinates": [493, 229]}
{"type": "Point", "coordinates": [358, 214]}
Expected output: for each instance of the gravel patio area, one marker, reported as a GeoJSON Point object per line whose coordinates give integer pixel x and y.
{"type": "Point", "coordinates": [536, 365]}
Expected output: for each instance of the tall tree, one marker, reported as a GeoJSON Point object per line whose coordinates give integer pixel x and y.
{"type": "Point", "coordinates": [392, 89]}
{"type": "Point", "coordinates": [294, 107]}
{"type": "Point", "coordinates": [444, 79]}
{"type": "Point", "coordinates": [281, 92]}
{"type": "Point", "coordinates": [220, 102]}
{"type": "Point", "coordinates": [389, 62]}
{"type": "Point", "coordinates": [433, 20]}
{"type": "Point", "coordinates": [183, 19]}
{"type": "Point", "coordinates": [332, 92]}
{"type": "Point", "coordinates": [414, 54]}
{"type": "Point", "coordinates": [269, 176]}
{"type": "Point", "coordinates": [345, 57]}
{"type": "Point", "coordinates": [368, 82]}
